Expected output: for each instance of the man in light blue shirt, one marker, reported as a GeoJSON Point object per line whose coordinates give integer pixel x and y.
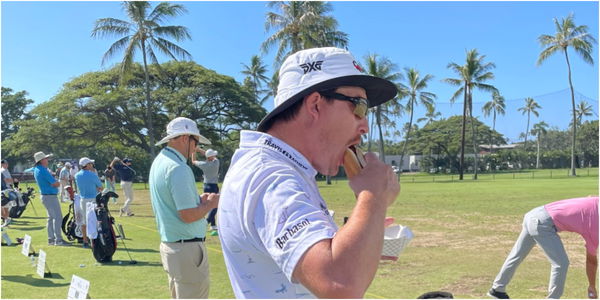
{"type": "Point", "coordinates": [180, 211]}
{"type": "Point", "coordinates": [89, 185]}
{"type": "Point", "coordinates": [48, 190]}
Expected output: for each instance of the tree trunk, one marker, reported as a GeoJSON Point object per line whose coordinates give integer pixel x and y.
{"type": "Point", "coordinates": [461, 165]}
{"type": "Point", "coordinates": [527, 129]}
{"type": "Point", "coordinates": [473, 139]}
{"type": "Point", "coordinates": [537, 159]}
{"type": "Point", "coordinates": [491, 133]}
{"type": "Point", "coordinates": [370, 139]}
{"type": "Point", "coordinates": [574, 117]}
{"type": "Point", "coordinates": [407, 135]}
{"type": "Point", "coordinates": [328, 179]}
{"type": "Point", "coordinates": [381, 154]}
{"type": "Point", "coordinates": [149, 117]}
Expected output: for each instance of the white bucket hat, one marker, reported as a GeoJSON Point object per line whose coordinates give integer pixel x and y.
{"type": "Point", "coordinates": [40, 155]}
{"type": "Point", "coordinates": [182, 126]}
{"type": "Point", "coordinates": [211, 152]}
{"type": "Point", "coordinates": [319, 69]}
{"type": "Point", "coordinates": [84, 161]}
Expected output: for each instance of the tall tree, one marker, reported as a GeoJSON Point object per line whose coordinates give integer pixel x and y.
{"type": "Point", "coordinates": [568, 35]}
{"type": "Point", "coordinates": [531, 107]}
{"type": "Point", "coordinates": [416, 95]}
{"type": "Point", "coordinates": [384, 68]}
{"type": "Point", "coordinates": [255, 73]}
{"type": "Point", "coordinates": [430, 116]}
{"type": "Point", "coordinates": [13, 109]}
{"type": "Point", "coordinates": [299, 25]}
{"type": "Point", "coordinates": [144, 32]}
{"type": "Point", "coordinates": [497, 105]}
{"type": "Point", "coordinates": [539, 129]}
{"type": "Point", "coordinates": [472, 75]}
{"type": "Point", "coordinates": [583, 109]}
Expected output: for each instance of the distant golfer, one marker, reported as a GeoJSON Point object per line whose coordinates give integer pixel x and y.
{"type": "Point", "coordinates": [540, 226]}
{"type": "Point", "coordinates": [126, 173]}
{"type": "Point", "coordinates": [210, 170]}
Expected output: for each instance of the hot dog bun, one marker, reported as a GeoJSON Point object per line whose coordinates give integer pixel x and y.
{"type": "Point", "coordinates": [354, 161]}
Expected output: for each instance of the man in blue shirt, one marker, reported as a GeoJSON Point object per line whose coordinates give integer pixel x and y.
{"type": "Point", "coordinates": [180, 211]}
{"type": "Point", "coordinates": [89, 185]}
{"type": "Point", "coordinates": [126, 173]}
{"type": "Point", "coordinates": [48, 191]}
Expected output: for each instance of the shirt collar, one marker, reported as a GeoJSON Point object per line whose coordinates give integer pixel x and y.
{"type": "Point", "coordinates": [252, 139]}
{"type": "Point", "coordinates": [170, 151]}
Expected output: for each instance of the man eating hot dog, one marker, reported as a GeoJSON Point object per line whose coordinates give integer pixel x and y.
{"type": "Point", "coordinates": [278, 238]}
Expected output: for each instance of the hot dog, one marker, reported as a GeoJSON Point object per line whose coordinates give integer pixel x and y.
{"type": "Point", "coordinates": [354, 161]}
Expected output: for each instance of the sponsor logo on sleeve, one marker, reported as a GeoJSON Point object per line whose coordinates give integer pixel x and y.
{"type": "Point", "coordinates": [290, 232]}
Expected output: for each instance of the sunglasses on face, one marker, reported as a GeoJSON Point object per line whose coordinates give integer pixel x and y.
{"type": "Point", "coordinates": [196, 142]}
{"type": "Point", "coordinates": [361, 105]}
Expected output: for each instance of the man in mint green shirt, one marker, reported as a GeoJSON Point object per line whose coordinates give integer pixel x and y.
{"type": "Point", "coordinates": [180, 211]}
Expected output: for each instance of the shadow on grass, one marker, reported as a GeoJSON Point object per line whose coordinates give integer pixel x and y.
{"type": "Point", "coordinates": [32, 228]}
{"type": "Point", "coordinates": [127, 263]}
{"type": "Point", "coordinates": [121, 248]}
{"type": "Point", "coordinates": [30, 280]}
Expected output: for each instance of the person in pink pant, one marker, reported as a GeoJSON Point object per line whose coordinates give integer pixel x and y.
{"type": "Point", "coordinates": [541, 226]}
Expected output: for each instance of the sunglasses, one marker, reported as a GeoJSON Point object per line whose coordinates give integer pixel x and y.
{"type": "Point", "coordinates": [361, 105]}
{"type": "Point", "coordinates": [195, 140]}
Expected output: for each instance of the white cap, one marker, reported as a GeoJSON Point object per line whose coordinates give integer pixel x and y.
{"type": "Point", "coordinates": [319, 69]}
{"type": "Point", "coordinates": [68, 164]}
{"type": "Point", "coordinates": [211, 152]}
{"type": "Point", "coordinates": [182, 126]}
{"type": "Point", "coordinates": [40, 155]}
{"type": "Point", "coordinates": [84, 161]}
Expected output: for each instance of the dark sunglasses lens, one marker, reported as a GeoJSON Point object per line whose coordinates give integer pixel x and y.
{"type": "Point", "coordinates": [361, 109]}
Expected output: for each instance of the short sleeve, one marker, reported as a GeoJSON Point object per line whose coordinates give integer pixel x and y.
{"type": "Point", "coordinates": [183, 187]}
{"type": "Point", "coordinates": [289, 221]}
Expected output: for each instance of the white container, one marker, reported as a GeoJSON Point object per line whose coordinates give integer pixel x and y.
{"type": "Point", "coordinates": [396, 238]}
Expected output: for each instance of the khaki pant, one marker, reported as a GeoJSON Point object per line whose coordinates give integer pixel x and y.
{"type": "Point", "coordinates": [127, 187]}
{"type": "Point", "coordinates": [187, 266]}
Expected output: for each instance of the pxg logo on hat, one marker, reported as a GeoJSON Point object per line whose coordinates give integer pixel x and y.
{"type": "Point", "coordinates": [319, 69]}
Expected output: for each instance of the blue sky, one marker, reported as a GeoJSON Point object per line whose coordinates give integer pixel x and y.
{"type": "Point", "coordinates": [45, 44]}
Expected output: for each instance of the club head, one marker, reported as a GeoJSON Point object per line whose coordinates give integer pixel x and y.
{"type": "Point", "coordinates": [133, 262]}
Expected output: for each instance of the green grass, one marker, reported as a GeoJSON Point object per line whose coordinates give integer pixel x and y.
{"type": "Point", "coordinates": [463, 232]}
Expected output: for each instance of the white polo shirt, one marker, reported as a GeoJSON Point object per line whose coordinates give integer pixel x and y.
{"type": "Point", "coordinates": [270, 213]}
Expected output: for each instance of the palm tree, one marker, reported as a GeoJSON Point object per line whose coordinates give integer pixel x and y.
{"type": "Point", "coordinates": [144, 32]}
{"type": "Point", "coordinates": [568, 35]}
{"type": "Point", "coordinates": [583, 109]}
{"type": "Point", "coordinates": [384, 68]}
{"type": "Point", "coordinates": [301, 25]}
{"type": "Point", "coordinates": [430, 116]}
{"type": "Point", "coordinates": [538, 130]}
{"type": "Point", "coordinates": [256, 75]}
{"type": "Point", "coordinates": [415, 94]}
{"type": "Point", "coordinates": [497, 106]}
{"type": "Point", "coordinates": [471, 75]}
{"type": "Point", "coordinates": [530, 107]}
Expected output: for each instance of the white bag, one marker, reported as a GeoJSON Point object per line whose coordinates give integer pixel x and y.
{"type": "Point", "coordinates": [396, 238]}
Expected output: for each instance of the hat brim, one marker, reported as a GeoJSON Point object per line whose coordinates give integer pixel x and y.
{"type": "Point", "coordinates": [378, 91]}
{"type": "Point", "coordinates": [167, 138]}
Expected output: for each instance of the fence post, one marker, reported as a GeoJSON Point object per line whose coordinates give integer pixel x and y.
{"type": "Point", "coordinates": [452, 178]}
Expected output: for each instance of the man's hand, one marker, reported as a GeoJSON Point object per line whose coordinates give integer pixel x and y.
{"type": "Point", "coordinates": [210, 200]}
{"type": "Point", "coordinates": [592, 293]}
{"type": "Point", "coordinates": [378, 178]}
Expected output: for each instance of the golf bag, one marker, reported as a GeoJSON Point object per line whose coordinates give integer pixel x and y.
{"type": "Point", "coordinates": [105, 243]}
{"type": "Point", "coordinates": [21, 201]}
{"type": "Point", "coordinates": [69, 225]}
